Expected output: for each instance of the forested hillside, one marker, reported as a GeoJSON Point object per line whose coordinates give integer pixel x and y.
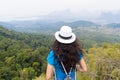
{"type": "Point", "coordinates": [103, 63]}
{"type": "Point", "coordinates": [23, 55]}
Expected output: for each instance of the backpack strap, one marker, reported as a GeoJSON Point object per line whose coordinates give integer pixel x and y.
{"type": "Point", "coordinates": [65, 69]}
{"type": "Point", "coordinates": [55, 74]}
{"type": "Point", "coordinates": [75, 74]}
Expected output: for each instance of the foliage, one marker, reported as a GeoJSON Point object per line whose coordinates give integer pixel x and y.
{"type": "Point", "coordinates": [103, 63]}
{"type": "Point", "coordinates": [23, 56]}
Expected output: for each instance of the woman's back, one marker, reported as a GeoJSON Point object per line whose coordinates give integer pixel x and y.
{"type": "Point", "coordinates": [58, 69]}
{"type": "Point", "coordinates": [65, 54]}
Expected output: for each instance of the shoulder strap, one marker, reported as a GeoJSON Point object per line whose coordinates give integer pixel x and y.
{"type": "Point", "coordinates": [65, 69]}
{"type": "Point", "coordinates": [55, 74]}
{"type": "Point", "coordinates": [75, 74]}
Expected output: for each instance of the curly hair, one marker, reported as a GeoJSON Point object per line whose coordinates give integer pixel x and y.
{"type": "Point", "coordinates": [68, 53]}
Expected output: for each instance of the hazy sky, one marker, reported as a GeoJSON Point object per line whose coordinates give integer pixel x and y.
{"type": "Point", "coordinates": [26, 8]}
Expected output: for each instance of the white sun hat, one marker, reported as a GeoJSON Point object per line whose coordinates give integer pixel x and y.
{"type": "Point", "coordinates": [65, 35]}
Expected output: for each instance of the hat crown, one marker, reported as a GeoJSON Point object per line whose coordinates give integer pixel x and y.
{"type": "Point", "coordinates": [65, 35]}
{"type": "Point", "coordinates": [66, 31]}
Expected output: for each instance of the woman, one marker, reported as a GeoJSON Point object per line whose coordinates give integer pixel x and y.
{"type": "Point", "coordinates": [64, 56]}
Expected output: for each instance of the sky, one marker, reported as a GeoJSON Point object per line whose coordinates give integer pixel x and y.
{"type": "Point", "coordinates": [30, 8]}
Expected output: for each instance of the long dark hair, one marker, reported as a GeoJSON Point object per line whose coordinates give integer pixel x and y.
{"type": "Point", "coordinates": [68, 53]}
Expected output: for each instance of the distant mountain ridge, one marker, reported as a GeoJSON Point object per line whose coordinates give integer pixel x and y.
{"type": "Point", "coordinates": [37, 26]}
{"type": "Point", "coordinates": [70, 16]}
{"type": "Point", "coordinates": [41, 25]}
{"type": "Point", "coordinates": [82, 23]}
{"type": "Point", "coordinates": [7, 25]}
{"type": "Point", "coordinates": [113, 25]}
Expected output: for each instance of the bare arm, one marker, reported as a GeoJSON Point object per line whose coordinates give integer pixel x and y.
{"type": "Point", "coordinates": [81, 66]}
{"type": "Point", "coordinates": [49, 72]}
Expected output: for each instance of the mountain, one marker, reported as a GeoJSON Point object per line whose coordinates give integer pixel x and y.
{"type": "Point", "coordinates": [71, 16]}
{"type": "Point", "coordinates": [7, 25]}
{"type": "Point", "coordinates": [113, 25]}
{"type": "Point", "coordinates": [57, 16]}
{"type": "Point", "coordinates": [82, 23]}
{"type": "Point", "coordinates": [41, 26]}
{"type": "Point", "coordinates": [38, 26]}
{"type": "Point", "coordinates": [109, 17]}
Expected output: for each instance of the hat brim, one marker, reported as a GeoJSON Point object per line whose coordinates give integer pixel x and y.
{"type": "Point", "coordinates": [65, 41]}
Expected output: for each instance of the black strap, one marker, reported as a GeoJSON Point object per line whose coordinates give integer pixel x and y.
{"type": "Point", "coordinates": [64, 37]}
